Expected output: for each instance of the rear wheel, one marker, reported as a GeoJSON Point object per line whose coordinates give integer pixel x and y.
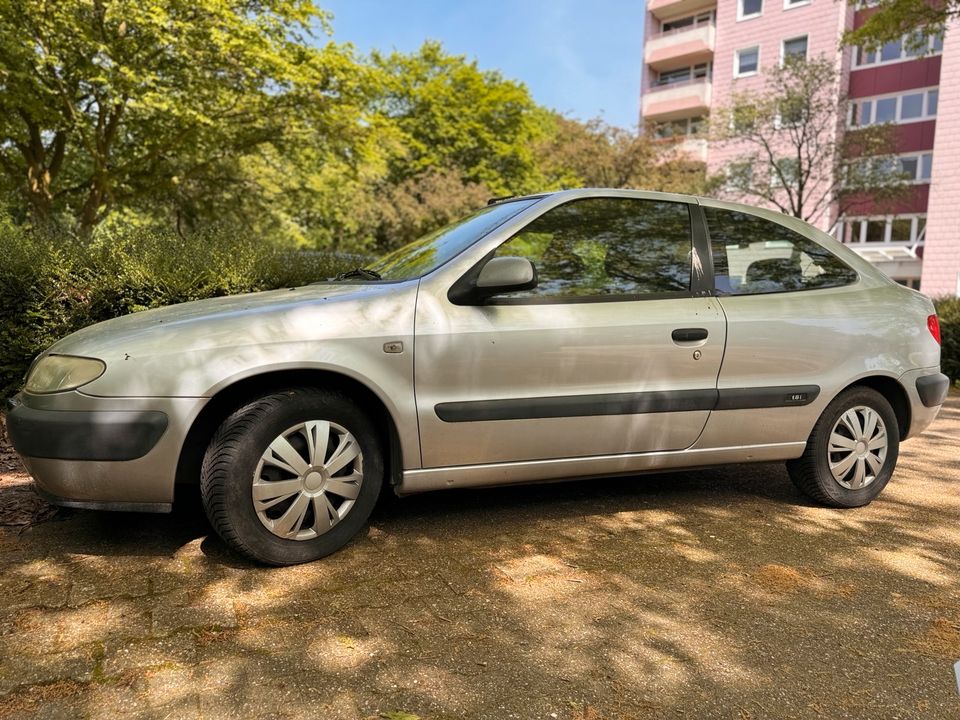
{"type": "Point", "coordinates": [292, 476]}
{"type": "Point", "coordinates": [852, 450]}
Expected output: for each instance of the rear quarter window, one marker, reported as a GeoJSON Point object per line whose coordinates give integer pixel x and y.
{"type": "Point", "coordinates": [753, 256]}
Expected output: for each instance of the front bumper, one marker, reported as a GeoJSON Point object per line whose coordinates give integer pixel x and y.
{"type": "Point", "coordinates": [83, 434]}
{"type": "Point", "coordinates": [102, 453]}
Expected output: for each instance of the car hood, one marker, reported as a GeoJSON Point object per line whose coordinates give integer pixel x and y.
{"type": "Point", "coordinates": [214, 321]}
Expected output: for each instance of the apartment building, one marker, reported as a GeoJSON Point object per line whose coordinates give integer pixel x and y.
{"type": "Point", "coordinates": [698, 52]}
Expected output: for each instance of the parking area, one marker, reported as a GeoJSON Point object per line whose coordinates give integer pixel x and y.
{"type": "Point", "coordinates": [718, 593]}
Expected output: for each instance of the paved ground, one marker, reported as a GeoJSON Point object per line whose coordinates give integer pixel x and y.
{"type": "Point", "coordinates": [695, 595]}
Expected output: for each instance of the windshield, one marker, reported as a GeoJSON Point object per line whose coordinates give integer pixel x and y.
{"type": "Point", "coordinates": [431, 251]}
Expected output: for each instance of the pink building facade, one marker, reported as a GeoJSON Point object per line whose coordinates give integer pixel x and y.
{"type": "Point", "coordinates": [698, 52]}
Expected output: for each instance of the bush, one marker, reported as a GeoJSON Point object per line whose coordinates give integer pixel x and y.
{"type": "Point", "coordinates": [948, 310]}
{"type": "Point", "coordinates": [52, 283]}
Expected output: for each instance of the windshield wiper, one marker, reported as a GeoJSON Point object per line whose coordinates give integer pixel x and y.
{"type": "Point", "coordinates": [359, 274]}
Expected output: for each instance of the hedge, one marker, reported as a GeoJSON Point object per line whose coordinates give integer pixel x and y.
{"type": "Point", "coordinates": [948, 310]}
{"type": "Point", "coordinates": [52, 283]}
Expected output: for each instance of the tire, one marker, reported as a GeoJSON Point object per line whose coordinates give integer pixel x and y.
{"type": "Point", "coordinates": [240, 457]}
{"type": "Point", "coordinates": [812, 473]}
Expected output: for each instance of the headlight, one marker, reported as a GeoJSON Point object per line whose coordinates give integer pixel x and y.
{"type": "Point", "coordinates": [56, 373]}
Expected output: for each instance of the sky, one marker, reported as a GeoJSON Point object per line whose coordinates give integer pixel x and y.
{"type": "Point", "coordinates": [581, 57]}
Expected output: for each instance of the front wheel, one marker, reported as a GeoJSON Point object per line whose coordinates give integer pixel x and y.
{"type": "Point", "coordinates": [852, 450]}
{"type": "Point", "coordinates": [292, 476]}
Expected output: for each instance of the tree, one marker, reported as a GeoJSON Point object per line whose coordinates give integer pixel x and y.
{"type": "Point", "coordinates": [595, 154]}
{"type": "Point", "coordinates": [448, 114]}
{"type": "Point", "coordinates": [133, 103]}
{"type": "Point", "coordinates": [792, 151]}
{"type": "Point", "coordinates": [895, 19]}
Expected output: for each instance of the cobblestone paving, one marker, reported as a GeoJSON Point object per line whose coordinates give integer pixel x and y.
{"type": "Point", "coordinates": [719, 593]}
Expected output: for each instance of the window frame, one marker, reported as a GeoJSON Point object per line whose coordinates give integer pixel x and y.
{"type": "Point", "coordinates": [700, 286]}
{"type": "Point", "coordinates": [791, 4]}
{"type": "Point", "coordinates": [858, 52]}
{"type": "Point", "coordinates": [741, 16]}
{"type": "Point", "coordinates": [698, 19]}
{"type": "Point", "coordinates": [736, 62]}
{"type": "Point", "coordinates": [857, 103]}
{"type": "Point", "coordinates": [917, 234]}
{"type": "Point", "coordinates": [712, 272]}
{"type": "Point", "coordinates": [783, 47]}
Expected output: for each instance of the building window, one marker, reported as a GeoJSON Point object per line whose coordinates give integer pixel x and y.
{"type": "Point", "coordinates": [684, 74]}
{"type": "Point", "coordinates": [787, 4]}
{"type": "Point", "coordinates": [915, 168]}
{"type": "Point", "coordinates": [908, 47]}
{"type": "Point", "coordinates": [794, 48]}
{"type": "Point", "coordinates": [686, 23]}
{"type": "Point", "coordinates": [746, 62]}
{"type": "Point", "coordinates": [747, 9]}
{"type": "Point", "coordinates": [685, 127]}
{"type": "Point", "coordinates": [903, 229]}
{"type": "Point", "coordinates": [911, 106]}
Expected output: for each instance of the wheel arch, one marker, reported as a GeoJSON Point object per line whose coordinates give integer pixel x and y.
{"type": "Point", "coordinates": [894, 393]}
{"type": "Point", "coordinates": [233, 395]}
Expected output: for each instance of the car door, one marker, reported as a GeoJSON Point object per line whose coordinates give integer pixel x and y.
{"type": "Point", "coordinates": [615, 351]}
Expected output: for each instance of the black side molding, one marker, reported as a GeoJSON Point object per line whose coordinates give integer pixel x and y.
{"type": "Point", "coordinates": [626, 403]}
{"type": "Point", "coordinates": [576, 406]}
{"type": "Point", "coordinates": [84, 435]}
{"type": "Point", "coordinates": [767, 397]}
{"type": "Point", "coordinates": [933, 389]}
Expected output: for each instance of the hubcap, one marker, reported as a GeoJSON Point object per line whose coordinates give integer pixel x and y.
{"type": "Point", "coordinates": [858, 447]}
{"type": "Point", "coordinates": [307, 480]}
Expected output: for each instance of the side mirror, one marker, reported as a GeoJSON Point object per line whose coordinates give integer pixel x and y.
{"type": "Point", "coordinates": [504, 274]}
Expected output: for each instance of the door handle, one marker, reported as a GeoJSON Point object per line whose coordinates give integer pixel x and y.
{"type": "Point", "coordinates": [689, 334]}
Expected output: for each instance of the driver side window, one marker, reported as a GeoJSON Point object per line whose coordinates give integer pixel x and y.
{"type": "Point", "coordinates": [617, 248]}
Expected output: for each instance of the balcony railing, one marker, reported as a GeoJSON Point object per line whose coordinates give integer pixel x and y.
{"type": "Point", "coordinates": [689, 45]}
{"type": "Point", "coordinates": [680, 84]}
{"type": "Point", "coordinates": [677, 100]}
{"type": "Point", "coordinates": [685, 29]}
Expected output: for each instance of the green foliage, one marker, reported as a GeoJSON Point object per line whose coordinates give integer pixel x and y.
{"type": "Point", "coordinates": [52, 283]}
{"type": "Point", "coordinates": [948, 310]}
{"type": "Point", "coordinates": [144, 104]}
{"type": "Point", "coordinates": [896, 18]}
{"type": "Point", "coordinates": [594, 154]}
{"type": "Point", "coordinates": [447, 113]}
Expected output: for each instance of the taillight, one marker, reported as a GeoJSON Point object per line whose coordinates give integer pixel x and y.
{"type": "Point", "coordinates": [933, 325]}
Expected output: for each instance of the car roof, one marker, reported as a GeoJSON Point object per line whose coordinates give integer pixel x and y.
{"type": "Point", "coordinates": [574, 193]}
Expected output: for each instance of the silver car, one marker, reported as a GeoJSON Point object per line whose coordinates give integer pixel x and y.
{"type": "Point", "coordinates": [572, 334]}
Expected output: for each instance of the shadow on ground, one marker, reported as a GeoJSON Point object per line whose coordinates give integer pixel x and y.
{"type": "Point", "coordinates": [719, 593]}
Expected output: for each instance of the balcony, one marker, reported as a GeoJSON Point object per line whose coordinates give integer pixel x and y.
{"type": "Point", "coordinates": [665, 9]}
{"type": "Point", "coordinates": [677, 100]}
{"type": "Point", "coordinates": [683, 46]}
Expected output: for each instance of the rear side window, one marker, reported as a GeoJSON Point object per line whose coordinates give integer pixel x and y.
{"type": "Point", "coordinates": [606, 247]}
{"type": "Point", "coordinates": [753, 256]}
